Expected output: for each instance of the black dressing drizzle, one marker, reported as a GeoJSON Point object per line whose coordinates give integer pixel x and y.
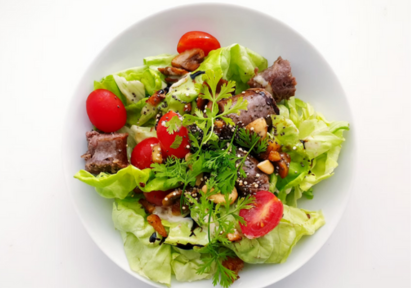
{"type": "Point", "coordinates": [195, 225]}
{"type": "Point", "coordinates": [302, 141]}
{"type": "Point", "coordinates": [153, 238]}
{"type": "Point", "coordinates": [188, 246]}
{"type": "Point", "coordinates": [194, 75]}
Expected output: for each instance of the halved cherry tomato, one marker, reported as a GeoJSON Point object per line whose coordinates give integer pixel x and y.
{"type": "Point", "coordinates": [167, 139]}
{"type": "Point", "coordinates": [156, 197]}
{"type": "Point", "coordinates": [106, 111]}
{"type": "Point", "coordinates": [141, 157]}
{"type": "Point", "coordinates": [263, 217]}
{"type": "Point", "coordinates": [198, 39]}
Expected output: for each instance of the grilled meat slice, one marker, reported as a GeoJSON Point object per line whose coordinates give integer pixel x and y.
{"type": "Point", "coordinates": [260, 105]}
{"type": "Point", "coordinates": [106, 152]}
{"type": "Point", "coordinates": [276, 79]}
{"type": "Point", "coordinates": [256, 180]}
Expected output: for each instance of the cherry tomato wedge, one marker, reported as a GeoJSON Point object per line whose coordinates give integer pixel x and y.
{"type": "Point", "coordinates": [198, 39]}
{"type": "Point", "coordinates": [106, 111]}
{"type": "Point", "coordinates": [167, 139]}
{"type": "Point", "coordinates": [141, 157]}
{"type": "Point", "coordinates": [263, 217]}
{"type": "Point", "coordinates": [156, 197]}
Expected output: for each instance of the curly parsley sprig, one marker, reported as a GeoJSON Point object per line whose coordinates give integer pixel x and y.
{"type": "Point", "coordinates": [209, 92]}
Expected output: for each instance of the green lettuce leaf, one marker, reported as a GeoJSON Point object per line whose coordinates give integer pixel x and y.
{"type": "Point", "coordinates": [322, 168]}
{"type": "Point", "coordinates": [162, 60]}
{"type": "Point", "coordinates": [133, 90]}
{"type": "Point", "coordinates": [313, 143]}
{"type": "Point", "coordinates": [152, 79]}
{"type": "Point", "coordinates": [117, 185]}
{"type": "Point", "coordinates": [150, 260]}
{"type": "Point", "coordinates": [147, 115]}
{"type": "Point", "coordinates": [298, 169]}
{"type": "Point", "coordinates": [109, 83]}
{"type": "Point", "coordinates": [235, 62]}
{"type": "Point", "coordinates": [179, 233]}
{"type": "Point", "coordinates": [276, 246]}
{"type": "Point", "coordinates": [185, 264]}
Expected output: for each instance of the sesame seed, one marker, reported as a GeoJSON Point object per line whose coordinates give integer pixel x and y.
{"type": "Point", "coordinates": [294, 148]}
{"type": "Point", "coordinates": [258, 175]}
{"type": "Point", "coordinates": [245, 182]}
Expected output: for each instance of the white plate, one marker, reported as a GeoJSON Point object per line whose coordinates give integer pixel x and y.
{"type": "Point", "coordinates": [267, 36]}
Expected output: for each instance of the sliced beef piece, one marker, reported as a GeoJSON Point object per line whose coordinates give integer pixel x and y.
{"type": "Point", "coordinates": [106, 152]}
{"type": "Point", "coordinates": [255, 181]}
{"type": "Point", "coordinates": [277, 79]}
{"type": "Point", "coordinates": [260, 105]}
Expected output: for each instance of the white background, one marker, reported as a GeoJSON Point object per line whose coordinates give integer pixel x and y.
{"type": "Point", "coordinates": [46, 45]}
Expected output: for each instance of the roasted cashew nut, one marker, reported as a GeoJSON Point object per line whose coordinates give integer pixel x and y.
{"type": "Point", "coordinates": [219, 198]}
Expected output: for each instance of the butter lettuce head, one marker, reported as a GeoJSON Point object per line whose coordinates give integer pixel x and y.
{"type": "Point", "coordinates": [313, 143]}
{"type": "Point", "coordinates": [276, 246]}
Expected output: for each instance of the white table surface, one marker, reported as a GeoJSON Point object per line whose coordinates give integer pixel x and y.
{"type": "Point", "coordinates": [45, 46]}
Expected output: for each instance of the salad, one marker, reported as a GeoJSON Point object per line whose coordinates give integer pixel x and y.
{"type": "Point", "coordinates": [206, 154]}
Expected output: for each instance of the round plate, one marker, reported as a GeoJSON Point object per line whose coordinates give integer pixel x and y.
{"type": "Point", "coordinates": [265, 35]}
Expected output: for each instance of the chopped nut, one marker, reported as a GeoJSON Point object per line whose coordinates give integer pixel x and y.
{"type": "Point", "coordinates": [233, 237]}
{"type": "Point", "coordinates": [266, 167]}
{"type": "Point", "coordinates": [199, 179]}
{"type": "Point", "coordinates": [259, 126]}
{"type": "Point", "coordinates": [274, 156]}
{"type": "Point", "coordinates": [156, 155]}
{"type": "Point", "coordinates": [219, 198]}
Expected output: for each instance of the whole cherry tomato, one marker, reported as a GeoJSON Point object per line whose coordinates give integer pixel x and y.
{"type": "Point", "coordinates": [106, 111]}
{"type": "Point", "coordinates": [167, 139]}
{"type": "Point", "coordinates": [198, 39]}
{"type": "Point", "coordinates": [142, 155]}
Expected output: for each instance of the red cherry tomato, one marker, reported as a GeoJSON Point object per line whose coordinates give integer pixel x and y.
{"type": "Point", "coordinates": [263, 217]}
{"type": "Point", "coordinates": [156, 197]}
{"type": "Point", "coordinates": [141, 157]}
{"type": "Point", "coordinates": [106, 111]}
{"type": "Point", "coordinates": [167, 139]}
{"type": "Point", "coordinates": [198, 39]}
